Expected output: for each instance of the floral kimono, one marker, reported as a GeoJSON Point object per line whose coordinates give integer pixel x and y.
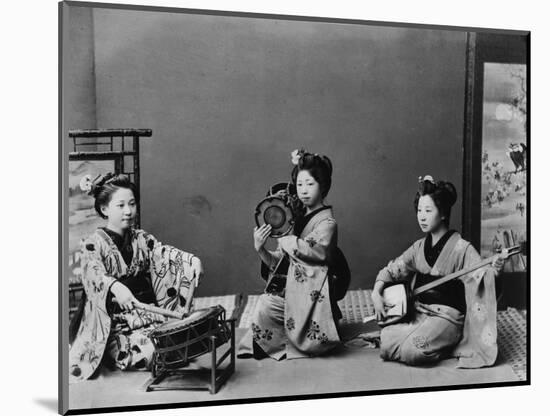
{"type": "Point", "coordinates": [106, 331]}
{"type": "Point", "coordinates": [456, 319]}
{"type": "Point", "coordinates": [301, 321]}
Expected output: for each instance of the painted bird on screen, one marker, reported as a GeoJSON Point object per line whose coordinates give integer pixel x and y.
{"type": "Point", "coordinates": [518, 155]}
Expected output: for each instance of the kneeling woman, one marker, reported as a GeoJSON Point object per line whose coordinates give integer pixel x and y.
{"type": "Point", "coordinates": [457, 318]}
{"type": "Point", "coordinates": [299, 321]}
{"type": "Point", "coordinates": [120, 266]}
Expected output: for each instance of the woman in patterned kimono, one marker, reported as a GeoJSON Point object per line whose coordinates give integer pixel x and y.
{"type": "Point", "coordinates": [301, 320]}
{"type": "Point", "coordinates": [121, 265]}
{"type": "Point", "coordinates": [457, 318]}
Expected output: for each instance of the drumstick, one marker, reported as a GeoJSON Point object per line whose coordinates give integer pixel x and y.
{"type": "Point", "coordinates": [160, 311]}
{"type": "Point", "coordinates": [190, 293]}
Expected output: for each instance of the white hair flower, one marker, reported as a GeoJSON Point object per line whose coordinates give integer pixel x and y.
{"type": "Point", "coordinates": [428, 178]}
{"type": "Point", "coordinates": [295, 156]}
{"type": "Point", "coordinates": [86, 183]}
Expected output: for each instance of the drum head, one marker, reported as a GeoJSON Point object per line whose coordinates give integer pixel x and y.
{"type": "Point", "coordinates": [176, 325]}
{"type": "Point", "coordinates": [275, 212]}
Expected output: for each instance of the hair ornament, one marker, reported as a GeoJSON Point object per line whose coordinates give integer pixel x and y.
{"type": "Point", "coordinates": [107, 178]}
{"type": "Point", "coordinates": [89, 185]}
{"type": "Point", "coordinates": [296, 155]}
{"type": "Point", "coordinates": [86, 183]}
{"type": "Point", "coordinates": [428, 178]}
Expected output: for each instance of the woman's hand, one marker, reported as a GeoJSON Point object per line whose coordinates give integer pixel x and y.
{"type": "Point", "coordinates": [498, 263]}
{"type": "Point", "coordinates": [198, 270]}
{"type": "Point", "coordinates": [379, 307]}
{"type": "Point", "coordinates": [260, 236]}
{"type": "Point", "coordinates": [123, 296]}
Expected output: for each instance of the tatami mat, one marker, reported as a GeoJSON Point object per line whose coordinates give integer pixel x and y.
{"type": "Point", "coordinates": [512, 340]}
{"type": "Point", "coordinates": [355, 306]}
{"type": "Point", "coordinates": [231, 303]}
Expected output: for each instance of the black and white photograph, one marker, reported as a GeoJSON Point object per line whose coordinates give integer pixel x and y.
{"type": "Point", "coordinates": [265, 207]}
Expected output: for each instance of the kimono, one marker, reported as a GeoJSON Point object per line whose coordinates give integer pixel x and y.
{"type": "Point", "coordinates": [462, 326]}
{"type": "Point", "coordinates": [106, 332]}
{"type": "Point", "coordinates": [301, 321]}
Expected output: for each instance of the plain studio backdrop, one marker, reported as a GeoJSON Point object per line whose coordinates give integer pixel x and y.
{"type": "Point", "coordinates": [228, 99]}
{"type": "Point", "coordinates": [30, 347]}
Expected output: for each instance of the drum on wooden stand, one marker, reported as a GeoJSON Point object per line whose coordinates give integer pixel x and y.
{"type": "Point", "coordinates": [177, 342]}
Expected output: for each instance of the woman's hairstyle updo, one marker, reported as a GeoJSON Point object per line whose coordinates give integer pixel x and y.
{"type": "Point", "coordinates": [442, 193]}
{"type": "Point", "coordinates": [104, 186]}
{"type": "Point", "coordinates": [318, 166]}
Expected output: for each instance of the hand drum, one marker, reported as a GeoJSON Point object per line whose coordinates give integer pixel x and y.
{"type": "Point", "coordinates": [276, 210]}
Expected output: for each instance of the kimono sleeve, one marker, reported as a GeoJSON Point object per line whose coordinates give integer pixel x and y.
{"type": "Point", "coordinates": [171, 272]}
{"type": "Point", "coordinates": [478, 346]}
{"type": "Point", "coordinates": [400, 268]}
{"type": "Point", "coordinates": [95, 278]}
{"type": "Point", "coordinates": [470, 258]}
{"type": "Point", "coordinates": [88, 347]}
{"type": "Point", "coordinates": [315, 247]}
